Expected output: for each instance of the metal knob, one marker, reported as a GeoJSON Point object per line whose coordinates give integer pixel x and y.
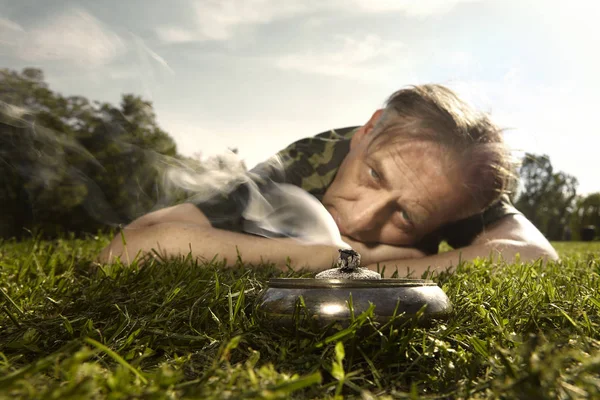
{"type": "Point", "coordinates": [348, 267]}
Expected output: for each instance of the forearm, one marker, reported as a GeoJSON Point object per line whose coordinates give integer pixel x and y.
{"type": "Point", "coordinates": [184, 213]}
{"type": "Point", "coordinates": [498, 250]}
{"type": "Point", "coordinates": [204, 242]}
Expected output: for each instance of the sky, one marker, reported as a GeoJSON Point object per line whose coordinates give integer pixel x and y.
{"type": "Point", "coordinates": [257, 75]}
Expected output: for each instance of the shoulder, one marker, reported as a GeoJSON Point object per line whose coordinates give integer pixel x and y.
{"type": "Point", "coordinates": [517, 231]}
{"type": "Point", "coordinates": [311, 162]}
{"type": "Point", "coordinates": [318, 143]}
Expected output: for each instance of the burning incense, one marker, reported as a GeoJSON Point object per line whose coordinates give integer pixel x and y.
{"type": "Point", "coordinates": [348, 267]}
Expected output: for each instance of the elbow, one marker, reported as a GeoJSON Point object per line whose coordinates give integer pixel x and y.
{"type": "Point", "coordinates": [112, 252]}
{"type": "Point", "coordinates": [105, 256]}
{"type": "Point", "coordinates": [516, 235]}
{"type": "Point", "coordinates": [512, 250]}
{"type": "Point", "coordinates": [122, 247]}
{"type": "Point", "coordinates": [535, 253]}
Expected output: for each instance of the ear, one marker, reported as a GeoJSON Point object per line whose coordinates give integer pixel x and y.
{"type": "Point", "coordinates": [366, 129]}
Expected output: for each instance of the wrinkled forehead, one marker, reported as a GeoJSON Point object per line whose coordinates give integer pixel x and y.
{"type": "Point", "coordinates": [391, 131]}
{"type": "Point", "coordinates": [413, 162]}
{"type": "Point", "coordinates": [410, 151]}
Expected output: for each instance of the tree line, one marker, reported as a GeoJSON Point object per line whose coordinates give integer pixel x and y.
{"type": "Point", "coordinates": [68, 164]}
{"type": "Point", "coordinates": [549, 199]}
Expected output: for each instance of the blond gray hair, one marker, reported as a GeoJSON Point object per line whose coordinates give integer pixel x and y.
{"type": "Point", "coordinates": [474, 144]}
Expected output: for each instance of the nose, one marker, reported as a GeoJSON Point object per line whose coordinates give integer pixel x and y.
{"type": "Point", "coordinates": [367, 216]}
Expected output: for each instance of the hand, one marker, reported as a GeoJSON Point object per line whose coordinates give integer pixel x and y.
{"type": "Point", "coordinates": [374, 253]}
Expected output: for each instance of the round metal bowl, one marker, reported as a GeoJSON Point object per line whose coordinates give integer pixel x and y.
{"type": "Point", "coordinates": [325, 301]}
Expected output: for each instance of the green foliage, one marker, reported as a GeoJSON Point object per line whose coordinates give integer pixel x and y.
{"type": "Point", "coordinates": [550, 201]}
{"type": "Point", "coordinates": [69, 164]}
{"type": "Point", "coordinates": [587, 213]}
{"type": "Point", "coordinates": [548, 197]}
{"type": "Point", "coordinates": [70, 328]}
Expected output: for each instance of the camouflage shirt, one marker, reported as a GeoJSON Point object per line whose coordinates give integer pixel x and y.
{"type": "Point", "coordinates": [312, 164]}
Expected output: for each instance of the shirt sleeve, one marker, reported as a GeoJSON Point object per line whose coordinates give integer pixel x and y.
{"type": "Point", "coordinates": [308, 163]}
{"type": "Point", "coordinates": [225, 211]}
{"type": "Point", "coordinates": [462, 233]}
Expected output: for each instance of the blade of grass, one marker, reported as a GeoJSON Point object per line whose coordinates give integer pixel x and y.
{"type": "Point", "coordinates": [11, 301]}
{"type": "Point", "coordinates": [116, 357]}
{"type": "Point", "coordinates": [296, 384]}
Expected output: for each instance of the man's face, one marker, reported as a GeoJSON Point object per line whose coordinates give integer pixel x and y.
{"type": "Point", "coordinates": [393, 194]}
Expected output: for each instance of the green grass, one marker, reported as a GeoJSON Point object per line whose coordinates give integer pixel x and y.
{"type": "Point", "coordinates": [69, 329]}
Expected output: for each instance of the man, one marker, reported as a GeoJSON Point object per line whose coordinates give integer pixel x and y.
{"type": "Point", "coordinates": [424, 169]}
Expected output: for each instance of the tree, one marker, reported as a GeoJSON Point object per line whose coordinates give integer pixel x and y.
{"type": "Point", "coordinates": [32, 156]}
{"type": "Point", "coordinates": [587, 213]}
{"type": "Point", "coordinates": [70, 164]}
{"type": "Point", "coordinates": [547, 198]}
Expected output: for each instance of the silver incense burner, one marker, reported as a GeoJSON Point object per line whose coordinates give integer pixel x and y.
{"type": "Point", "coordinates": [325, 299]}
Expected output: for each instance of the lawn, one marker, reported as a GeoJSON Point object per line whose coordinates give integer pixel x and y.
{"type": "Point", "coordinates": [179, 329]}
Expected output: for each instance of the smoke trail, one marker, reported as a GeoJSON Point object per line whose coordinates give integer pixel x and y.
{"type": "Point", "coordinates": [290, 211]}
{"type": "Point", "coordinates": [51, 163]}
{"type": "Point", "coordinates": [271, 209]}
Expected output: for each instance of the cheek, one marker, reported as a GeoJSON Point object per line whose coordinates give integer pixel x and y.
{"type": "Point", "coordinates": [350, 171]}
{"type": "Point", "coordinates": [390, 234]}
{"type": "Point", "coordinates": [348, 190]}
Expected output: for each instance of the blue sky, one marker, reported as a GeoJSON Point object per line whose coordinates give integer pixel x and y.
{"type": "Point", "coordinates": [259, 74]}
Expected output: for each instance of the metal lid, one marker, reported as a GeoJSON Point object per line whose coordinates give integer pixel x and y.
{"type": "Point", "coordinates": [308, 283]}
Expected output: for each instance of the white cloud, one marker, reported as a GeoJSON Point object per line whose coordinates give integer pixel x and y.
{"type": "Point", "coordinates": [7, 25]}
{"type": "Point", "coordinates": [10, 32]}
{"type": "Point", "coordinates": [74, 37]}
{"type": "Point", "coordinates": [363, 58]}
{"type": "Point", "coordinates": [418, 8]}
{"type": "Point", "coordinates": [149, 57]}
{"type": "Point", "coordinates": [219, 19]}
{"type": "Point", "coordinates": [174, 34]}
{"type": "Point", "coordinates": [460, 59]}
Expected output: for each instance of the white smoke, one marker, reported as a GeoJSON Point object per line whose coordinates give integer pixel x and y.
{"type": "Point", "coordinates": [290, 211]}
{"type": "Point", "coordinates": [201, 179]}
{"type": "Point", "coordinates": [272, 210]}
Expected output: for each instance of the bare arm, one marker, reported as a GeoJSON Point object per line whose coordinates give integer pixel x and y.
{"type": "Point", "coordinates": [178, 230]}
{"type": "Point", "coordinates": [185, 212]}
{"type": "Point", "coordinates": [510, 236]}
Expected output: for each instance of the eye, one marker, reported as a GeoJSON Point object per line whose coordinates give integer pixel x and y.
{"type": "Point", "coordinates": [405, 215]}
{"type": "Point", "coordinates": [374, 174]}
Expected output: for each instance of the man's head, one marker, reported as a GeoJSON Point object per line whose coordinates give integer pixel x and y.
{"type": "Point", "coordinates": [425, 160]}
